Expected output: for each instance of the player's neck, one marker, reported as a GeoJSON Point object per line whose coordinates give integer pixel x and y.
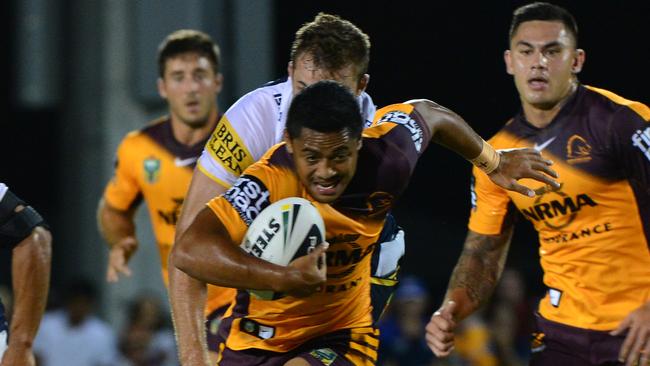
{"type": "Point", "coordinates": [190, 136]}
{"type": "Point", "coordinates": [542, 117]}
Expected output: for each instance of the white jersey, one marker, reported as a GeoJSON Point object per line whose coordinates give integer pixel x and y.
{"type": "Point", "coordinates": [250, 127]}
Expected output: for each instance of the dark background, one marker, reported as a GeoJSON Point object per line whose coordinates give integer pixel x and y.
{"type": "Point", "coordinates": [447, 51]}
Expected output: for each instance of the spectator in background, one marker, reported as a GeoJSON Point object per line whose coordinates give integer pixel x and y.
{"type": "Point", "coordinates": [509, 318]}
{"type": "Point", "coordinates": [473, 346]}
{"type": "Point", "coordinates": [74, 335]}
{"type": "Point", "coordinates": [401, 333]}
{"type": "Point", "coordinates": [134, 348]}
{"type": "Point", "coordinates": [147, 339]}
{"type": "Point", "coordinates": [401, 330]}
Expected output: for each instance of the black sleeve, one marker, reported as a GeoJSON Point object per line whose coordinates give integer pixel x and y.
{"type": "Point", "coordinates": [16, 226]}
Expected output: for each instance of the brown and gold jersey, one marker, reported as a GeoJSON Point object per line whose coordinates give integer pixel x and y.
{"type": "Point", "coordinates": [353, 224]}
{"type": "Point", "coordinates": [152, 165]}
{"type": "Point", "coordinates": [594, 230]}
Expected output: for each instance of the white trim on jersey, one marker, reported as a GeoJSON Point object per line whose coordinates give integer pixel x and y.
{"type": "Point", "coordinates": [3, 190]}
{"type": "Point", "coordinates": [390, 254]}
{"type": "Point", "coordinates": [3, 334]}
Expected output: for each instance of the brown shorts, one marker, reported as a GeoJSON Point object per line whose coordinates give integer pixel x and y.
{"type": "Point", "coordinates": [339, 348]}
{"type": "Point", "coordinates": [556, 344]}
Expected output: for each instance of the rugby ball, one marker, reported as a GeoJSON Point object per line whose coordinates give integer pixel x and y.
{"type": "Point", "coordinates": [285, 230]}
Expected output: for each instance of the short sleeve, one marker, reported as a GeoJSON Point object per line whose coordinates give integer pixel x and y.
{"type": "Point", "coordinates": [244, 133]}
{"type": "Point", "coordinates": [123, 190]}
{"type": "Point", "coordinates": [241, 203]}
{"type": "Point", "coordinates": [413, 131]}
{"type": "Point", "coordinates": [489, 205]}
{"type": "Point", "coordinates": [630, 133]}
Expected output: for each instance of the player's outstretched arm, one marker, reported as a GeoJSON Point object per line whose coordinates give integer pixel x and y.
{"type": "Point", "coordinates": [206, 252]}
{"type": "Point", "coordinates": [31, 279]}
{"type": "Point", "coordinates": [504, 168]}
{"type": "Point", "coordinates": [472, 282]}
{"type": "Point", "coordinates": [118, 229]}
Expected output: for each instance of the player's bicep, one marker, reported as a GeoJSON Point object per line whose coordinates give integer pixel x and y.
{"type": "Point", "coordinates": [213, 236]}
{"type": "Point", "coordinates": [108, 209]}
{"type": "Point", "coordinates": [34, 250]}
{"type": "Point", "coordinates": [205, 234]}
{"type": "Point", "coordinates": [114, 222]}
{"type": "Point", "coordinates": [17, 219]}
{"type": "Point", "coordinates": [433, 115]}
{"type": "Point", "coordinates": [448, 129]}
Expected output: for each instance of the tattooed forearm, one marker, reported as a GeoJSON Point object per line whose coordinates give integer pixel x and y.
{"type": "Point", "coordinates": [479, 267]}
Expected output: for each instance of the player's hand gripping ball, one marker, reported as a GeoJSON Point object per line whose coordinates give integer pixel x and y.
{"type": "Point", "coordinates": [285, 230]}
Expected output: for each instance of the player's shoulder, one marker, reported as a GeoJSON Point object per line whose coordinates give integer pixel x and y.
{"type": "Point", "coordinates": [268, 96]}
{"type": "Point", "coordinates": [394, 115]}
{"type": "Point", "coordinates": [609, 103]}
{"type": "Point", "coordinates": [390, 115]}
{"type": "Point", "coordinates": [381, 113]}
{"type": "Point", "coordinates": [276, 86]}
{"type": "Point", "coordinates": [154, 128]}
{"type": "Point", "coordinates": [276, 158]}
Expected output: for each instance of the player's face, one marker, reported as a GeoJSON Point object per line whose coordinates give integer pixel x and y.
{"type": "Point", "coordinates": [190, 87]}
{"type": "Point", "coordinates": [324, 162]}
{"type": "Point", "coordinates": [304, 72]}
{"type": "Point", "coordinates": [544, 61]}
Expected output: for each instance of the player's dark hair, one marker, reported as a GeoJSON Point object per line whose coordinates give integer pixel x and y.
{"type": "Point", "coordinates": [545, 12]}
{"type": "Point", "coordinates": [325, 106]}
{"type": "Point", "coordinates": [137, 308]}
{"type": "Point", "coordinates": [334, 44]}
{"type": "Point", "coordinates": [81, 288]}
{"type": "Point", "coordinates": [188, 40]}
